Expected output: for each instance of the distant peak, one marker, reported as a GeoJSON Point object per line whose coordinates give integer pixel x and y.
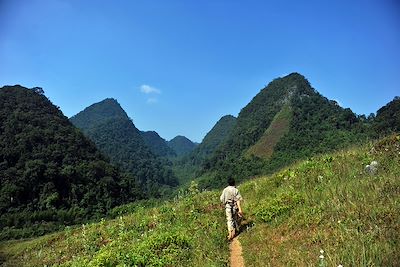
{"type": "Point", "coordinates": [104, 110]}
{"type": "Point", "coordinates": [295, 74]}
{"type": "Point", "coordinates": [228, 117]}
{"type": "Point", "coordinates": [151, 133]}
{"type": "Point", "coordinates": [180, 137]}
{"type": "Point", "coordinates": [109, 101]}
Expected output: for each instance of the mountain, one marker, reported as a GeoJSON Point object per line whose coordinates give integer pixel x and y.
{"type": "Point", "coordinates": [286, 121]}
{"type": "Point", "coordinates": [387, 118]}
{"type": "Point", "coordinates": [157, 145]}
{"type": "Point", "coordinates": [110, 128]}
{"type": "Point", "coordinates": [49, 171]}
{"type": "Point", "coordinates": [181, 145]}
{"type": "Point", "coordinates": [187, 167]}
{"type": "Point", "coordinates": [213, 139]}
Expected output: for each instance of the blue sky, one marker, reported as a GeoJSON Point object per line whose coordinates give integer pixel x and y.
{"type": "Point", "coordinates": [177, 67]}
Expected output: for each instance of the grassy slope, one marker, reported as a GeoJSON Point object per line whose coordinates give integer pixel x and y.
{"type": "Point", "coordinates": [189, 231]}
{"type": "Point", "coordinates": [264, 148]}
{"type": "Point", "coordinates": [327, 202]}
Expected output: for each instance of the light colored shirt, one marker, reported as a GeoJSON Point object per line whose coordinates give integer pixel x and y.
{"type": "Point", "coordinates": [230, 195]}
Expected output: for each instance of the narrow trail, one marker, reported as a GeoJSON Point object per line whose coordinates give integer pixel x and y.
{"type": "Point", "coordinates": [236, 258]}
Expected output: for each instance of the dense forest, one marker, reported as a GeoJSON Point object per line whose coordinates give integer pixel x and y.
{"type": "Point", "coordinates": [110, 128]}
{"type": "Point", "coordinates": [50, 173]}
{"type": "Point", "coordinates": [157, 144]}
{"type": "Point", "coordinates": [315, 125]}
{"type": "Point", "coordinates": [387, 118]}
{"type": "Point", "coordinates": [181, 145]}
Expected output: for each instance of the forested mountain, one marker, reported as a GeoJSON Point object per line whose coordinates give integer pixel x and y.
{"type": "Point", "coordinates": [181, 145]}
{"type": "Point", "coordinates": [286, 121]}
{"type": "Point", "coordinates": [49, 171]}
{"type": "Point", "coordinates": [110, 128]}
{"type": "Point", "coordinates": [213, 139]}
{"type": "Point", "coordinates": [387, 118]}
{"type": "Point", "coordinates": [188, 167]}
{"type": "Point", "coordinates": [157, 144]}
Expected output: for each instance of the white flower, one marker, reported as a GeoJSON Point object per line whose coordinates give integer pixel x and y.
{"type": "Point", "coordinates": [340, 265]}
{"type": "Point", "coordinates": [321, 251]}
{"type": "Point", "coordinates": [321, 256]}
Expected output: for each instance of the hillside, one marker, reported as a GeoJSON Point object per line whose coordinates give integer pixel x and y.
{"type": "Point", "coordinates": [328, 202]}
{"type": "Point", "coordinates": [387, 118]}
{"type": "Point", "coordinates": [213, 139]}
{"type": "Point", "coordinates": [157, 145]}
{"type": "Point", "coordinates": [181, 145]}
{"type": "Point", "coordinates": [188, 167]}
{"type": "Point", "coordinates": [110, 128]}
{"type": "Point", "coordinates": [264, 148]}
{"type": "Point", "coordinates": [50, 174]}
{"type": "Point", "coordinates": [286, 121]}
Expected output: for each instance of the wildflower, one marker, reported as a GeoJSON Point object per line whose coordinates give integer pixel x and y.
{"type": "Point", "coordinates": [321, 256]}
{"type": "Point", "coordinates": [340, 265]}
{"type": "Point", "coordinates": [321, 251]}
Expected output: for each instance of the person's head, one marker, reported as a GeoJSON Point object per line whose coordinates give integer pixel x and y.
{"type": "Point", "coordinates": [231, 181]}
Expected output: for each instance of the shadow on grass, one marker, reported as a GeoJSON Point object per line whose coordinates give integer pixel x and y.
{"type": "Point", "coordinates": [244, 225]}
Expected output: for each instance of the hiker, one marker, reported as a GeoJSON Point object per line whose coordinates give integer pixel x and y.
{"type": "Point", "coordinates": [231, 198]}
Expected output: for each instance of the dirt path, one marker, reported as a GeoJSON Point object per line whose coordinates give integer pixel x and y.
{"type": "Point", "coordinates": [236, 253]}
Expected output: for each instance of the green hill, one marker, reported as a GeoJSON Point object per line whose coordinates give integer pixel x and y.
{"type": "Point", "coordinates": [181, 145]}
{"type": "Point", "coordinates": [286, 121]}
{"type": "Point", "coordinates": [157, 144]}
{"type": "Point", "coordinates": [110, 128]}
{"type": "Point", "coordinates": [50, 174]}
{"type": "Point", "coordinates": [328, 202]}
{"type": "Point", "coordinates": [387, 118]}
{"type": "Point", "coordinates": [213, 139]}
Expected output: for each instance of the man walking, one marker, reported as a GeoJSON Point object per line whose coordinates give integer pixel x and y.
{"type": "Point", "coordinates": [231, 198]}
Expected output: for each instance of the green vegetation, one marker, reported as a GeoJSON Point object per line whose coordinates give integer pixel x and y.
{"type": "Point", "coordinates": [388, 118]}
{"type": "Point", "coordinates": [50, 174]}
{"type": "Point", "coordinates": [264, 148]}
{"type": "Point", "coordinates": [188, 167]}
{"type": "Point", "coordinates": [110, 128]}
{"type": "Point", "coordinates": [157, 145]}
{"type": "Point", "coordinates": [262, 141]}
{"type": "Point", "coordinates": [327, 202]}
{"type": "Point", "coordinates": [187, 231]}
{"type": "Point", "coordinates": [181, 145]}
{"type": "Point", "coordinates": [213, 139]}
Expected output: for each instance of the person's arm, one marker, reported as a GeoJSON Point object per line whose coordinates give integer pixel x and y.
{"type": "Point", "coordinates": [240, 208]}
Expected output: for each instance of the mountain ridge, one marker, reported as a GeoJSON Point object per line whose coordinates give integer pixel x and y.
{"type": "Point", "coordinates": [181, 145]}
{"type": "Point", "coordinates": [158, 145]}
{"type": "Point", "coordinates": [108, 125]}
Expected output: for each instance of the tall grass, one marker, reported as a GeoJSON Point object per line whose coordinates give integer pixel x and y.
{"type": "Point", "coordinates": [188, 231]}
{"type": "Point", "coordinates": [328, 203]}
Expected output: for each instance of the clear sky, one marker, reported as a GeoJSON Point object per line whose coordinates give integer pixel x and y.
{"type": "Point", "coordinates": [178, 66]}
